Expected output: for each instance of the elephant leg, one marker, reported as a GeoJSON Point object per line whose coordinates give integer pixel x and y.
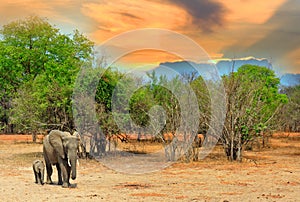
{"type": "Point", "coordinates": [35, 175]}
{"type": "Point", "coordinates": [69, 173]}
{"type": "Point", "coordinates": [39, 178]}
{"type": "Point", "coordinates": [60, 182]}
{"type": "Point", "coordinates": [49, 173]}
{"type": "Point", "coordinates": [64, 170]}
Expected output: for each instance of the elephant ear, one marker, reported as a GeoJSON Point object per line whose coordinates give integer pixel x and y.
{"type": "Point", "coordinates": [55, 139]}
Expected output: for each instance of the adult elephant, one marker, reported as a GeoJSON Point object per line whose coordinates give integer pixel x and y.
{"type": "Point", "coordinates": [60, 149]}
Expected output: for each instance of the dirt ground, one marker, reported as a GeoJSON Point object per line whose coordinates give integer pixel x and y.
{"type": "Point", "coordinates": [269, 174]}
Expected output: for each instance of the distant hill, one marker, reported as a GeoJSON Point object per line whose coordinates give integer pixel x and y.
{"type": "Point", "coordinates": [224, 67]}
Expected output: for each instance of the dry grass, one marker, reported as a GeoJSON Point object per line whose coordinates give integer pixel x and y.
{"type": "Point", "coordinates": [269, 174]}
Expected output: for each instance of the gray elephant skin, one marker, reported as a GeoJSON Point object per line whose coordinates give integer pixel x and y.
{"type": "Point", "coordinates": [60, 149]}
{"type": "Point", "coordinates": [38, 170]}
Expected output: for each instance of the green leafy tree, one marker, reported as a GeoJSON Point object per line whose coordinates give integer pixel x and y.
{"type": "Point", "coordinates": [199, 87]}
{"type": "Point", "coordinates": [140, 103]}
{"type": "Point", "coordinates": [27, 110]}
{"type": "Point", "coordinates": [289, 116]}
{"type": "Point", "coordinates": [252, 101]}
{"type": "Point", "coordinates": [22, 54]}
{"type": "Point", "coordinates": [34, 52]}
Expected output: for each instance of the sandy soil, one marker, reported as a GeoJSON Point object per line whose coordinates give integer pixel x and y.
{"type": "Point", "coordinates": [269, 174]}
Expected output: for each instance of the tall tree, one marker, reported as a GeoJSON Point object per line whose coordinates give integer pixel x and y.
{"type": "Point", "coordinates": [23, 51]}
{"type": "Point", "coordinates": [36, 53]}
{"type": "Point", "coordinates": [289, 116]}
{"type": "Point", "coordinates": [252, 101]}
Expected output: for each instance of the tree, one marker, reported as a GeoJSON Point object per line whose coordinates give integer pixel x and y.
{"type": "Point", "coordinates": [202, 93]}
{"type": "Point", "coordinates": [140, 103]}
{"type": "Point", "coordinates": [27, 111]}
{"type": "Point", "coordinates": [289, 116]}
{"type": "Point", "coordinates": [180, 119]}
{"type": "Point", "coordinates": [22, 52]}
{"type": "Point", "coordinates": [252, 102]}
{"type": "Point", "coordinates": [35, 55]}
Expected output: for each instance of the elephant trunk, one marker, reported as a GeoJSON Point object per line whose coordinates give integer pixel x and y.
{"type": "Point", "coordinates": [73, 168]}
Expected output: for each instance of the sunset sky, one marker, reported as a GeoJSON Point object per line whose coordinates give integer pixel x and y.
{"type": "Point", "coordinates": [225, 29]}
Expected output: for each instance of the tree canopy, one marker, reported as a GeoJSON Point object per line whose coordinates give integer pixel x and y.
{"type": "Point", "coordinates": [253, 99]}
{"type": "Point", "coordinates": [38, 67]}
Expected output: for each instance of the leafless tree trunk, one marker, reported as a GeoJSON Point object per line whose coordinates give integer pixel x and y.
{"type": "Point", "coordinates": [34, 136]}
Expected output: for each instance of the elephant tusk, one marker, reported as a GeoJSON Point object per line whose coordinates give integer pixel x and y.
{"type": "Point", "coordinates": [77, 162]}
{"type": "Point", "coordinates": [69, 163]}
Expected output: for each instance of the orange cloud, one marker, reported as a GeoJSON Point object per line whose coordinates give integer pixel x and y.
{"type": "Point", "coordinates": [294, 59]}
{"type": "Point", "coordinates": [13, 10]}
{"type": "Point", "coordinates": [145, 59]}
{"type": "Point", "coordinates": [63, 14]}
{"type": "Point", "coordinates": [251, 11]}
{"type": "Point", "coordinates": [245, 21]}
{"type": "Point", "coordinates": [114, 17]}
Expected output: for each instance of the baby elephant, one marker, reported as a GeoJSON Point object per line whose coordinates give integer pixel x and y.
{"type": "Point", "coordinates": [38, 169]}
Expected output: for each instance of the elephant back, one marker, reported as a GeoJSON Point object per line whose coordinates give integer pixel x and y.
{"type": "Point", "coordinates": [38, 165]}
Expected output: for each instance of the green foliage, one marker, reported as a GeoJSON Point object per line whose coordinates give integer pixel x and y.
{"type": "Point", "coordinates": [140, 103]}
{"type": "Point", "coordinates": [204, 102]}
{"type": "Point", "coordinates": [106, 86]}
{"type": "Point", "coordinates": [27, 110]}
{"type": "Point", "coordinates": [35, 55]}
{"type": "Point", "coordinates": [289, 116]}
{"type": "Point", "coordinates": [163, 95]}
{"type": "Point", "coordinates": [105, 89]}
{"type": "Point", "coordinates": [253, 99]}
{"type": "Point", "coordinates": [260, 85]}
